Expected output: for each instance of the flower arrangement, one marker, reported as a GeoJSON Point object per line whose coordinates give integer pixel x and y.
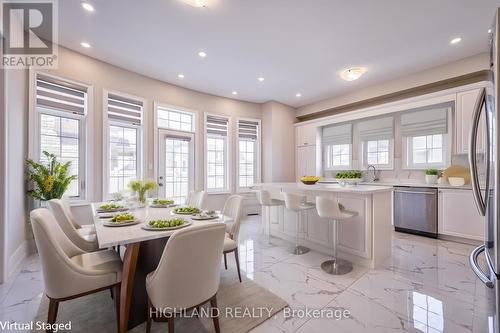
{"type": "Point", "coordinates": [50, 180]}
{"type": "Point", "coordinates": [141, 187]}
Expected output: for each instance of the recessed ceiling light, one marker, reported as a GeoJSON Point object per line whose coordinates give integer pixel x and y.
{"type": "Point", "coordinates": [202, 54]}
{"type": "Point", "coordinates": [88, 7]}
{"type": "Point", "coordinates": [260, 79]}
{"type": "Point", "coordinates": [456, 40]}
{"type": "Point", "coordinates": [180, 76]}
{"type": "Point", "coordinates": [353, 73]}
{"type": "Point", "coordinates": [489, 31]}
{"type": "Point", "coordinates": [298, 95]}
{"type": "Point", "coordinates": [234, 93]}
{"type": "Point", "coordinates": [85, 44]}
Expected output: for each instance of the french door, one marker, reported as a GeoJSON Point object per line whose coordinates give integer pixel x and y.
{"type": "Point", "coordinates": [176, 165]}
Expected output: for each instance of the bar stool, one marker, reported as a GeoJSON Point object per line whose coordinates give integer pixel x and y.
{"type": "Point", "coordinates": [264, 198]}
{"type": "Point", "coordinates": [298, 204]}
{"type": "Point", "coordinates": [329, 208]}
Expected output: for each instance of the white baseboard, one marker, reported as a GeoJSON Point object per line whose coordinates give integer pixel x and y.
{"type": "Point", "coordinates": [20, 254]}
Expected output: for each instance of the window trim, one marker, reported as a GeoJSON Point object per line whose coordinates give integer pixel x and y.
{"type": "Point", "coordinates": [258, 164]}
{"type": "Point", "coordinates": [86, 133]}
{"type": "Point", "coordinates": [364, 155]}
{"type": "Point", "coordinates": [447, 147]}
{"type": "Point", "coordinates": [141, 142]}
{"type": "Point", "coordinates": [178, 109]}
{"type": "Point", "coordinates": [228, 157]}
{"type": "Point", "coordinates": [338, 167]}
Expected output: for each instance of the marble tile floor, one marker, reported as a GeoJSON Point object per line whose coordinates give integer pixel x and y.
{"type": "Point", "coordinates": [426, 286]}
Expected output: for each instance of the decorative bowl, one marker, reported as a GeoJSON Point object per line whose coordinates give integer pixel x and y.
{"type": "Point", "coordinates": [348, 181]}
{"type": "Point", "coordinates": [456, 181]}
{"type": "Point", "coordinates": [309, 182]}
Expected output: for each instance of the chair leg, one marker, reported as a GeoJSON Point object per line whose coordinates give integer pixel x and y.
{"type": "Point", "coordinates": [53, 307]}
{"type": "Point", "coordinates": [148, 317]}
{"type": "Point", "coordinates": [117, 304]}
{"type": "Point", "coordinates": [237, 262]}
{"type": "Point", "coordinates": [171, 324]}
{"type": "Point", "coordinates": [225, 261]}
{"type": "Point", "coordinates": [213, 304]}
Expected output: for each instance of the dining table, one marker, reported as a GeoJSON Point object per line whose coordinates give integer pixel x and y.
{"type": "Point", "coordinates": [143, 250]}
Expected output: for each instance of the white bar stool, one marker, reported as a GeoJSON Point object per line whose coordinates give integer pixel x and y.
{"type": "Point", "coordinates": [329, 208]}
{"type": "Point", "coordinates": [264, 198]}
{"type": "Point", "coordinates": [298, 204]}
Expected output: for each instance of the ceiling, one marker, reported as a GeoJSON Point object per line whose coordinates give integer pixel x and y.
{"type": "Point", "coordinates": [297, 46]}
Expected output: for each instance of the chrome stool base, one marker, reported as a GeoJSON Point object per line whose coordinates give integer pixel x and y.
{"type": "Point", "coordinates": [298, 250]}
{"type": "Point", "coordinates": [336, 266]}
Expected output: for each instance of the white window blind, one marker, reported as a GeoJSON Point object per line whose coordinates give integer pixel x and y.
{"type": "Point", "coordinates": [60, 96]}
{"type": "Point", "coordinates": [432, 120]}
{"type": "Point", "coordinates": [376, 129]}
{"type": "Point", "coordinates": [248, 129]}
{"type": "Point", "coordinates": [217, 125]}
{"type": "Point", "coordinates": [337, 134]}
{"type": "Point", "coordinates": [124, 110]}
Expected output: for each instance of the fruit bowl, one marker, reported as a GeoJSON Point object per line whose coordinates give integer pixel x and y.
{"type": "Point", "coordinates": [309, 180]}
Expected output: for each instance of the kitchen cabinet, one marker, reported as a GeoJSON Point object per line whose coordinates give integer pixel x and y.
{"type": "Point", "coordinates": [458, 216]}
{"type": "Point", "coordinates": [305, 161]}
{"type": "Point", "coordinates": [305, 135]}
{"type": "Point", "coordinates": [464, 112]}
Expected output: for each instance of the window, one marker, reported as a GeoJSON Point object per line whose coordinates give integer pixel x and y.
{"type": "Point", "coordinates": [178, 151]}
{"type": "Point", "coordinates": [248, 152]}
{"type": "Point", "coordinates": [376, 135]}
{"type": "Point", "coordinates": [175, 119]}
{"type": "Point", "coordinates": [124, 118]}
{"type": "Point", "coordinates": [217, 153]}
{"type": "Point", "coordinates": [426, 150]}
{"type": "Point", "coordinates": [60, 123]}
{"type": "Point", "coordinates": [377, 152]}
{"type": "Point", "coordinates": [337, 146]}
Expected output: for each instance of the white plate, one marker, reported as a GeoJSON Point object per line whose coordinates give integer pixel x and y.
{"type": "Point", "coordinates": [101, 211]}
{"type": "Point", "coordinates": [203, 218]}
{"type": "Point", "coordinates": [147, 227]}
{"type": "Point", "coordinates": [119, 224]}
{"type": "Point", "coordinates": [181, 213]}
{"type": "Point", "coordinates": [162, 206]}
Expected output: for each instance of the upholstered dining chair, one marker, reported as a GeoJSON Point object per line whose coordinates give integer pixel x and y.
{"type": "Point", "coordinates": [232, 210]}
{"type": "Point", "coordinates": [196, 199]}
{"type": "Point", "coordinates": [84, 238]}
{"type": "Point", "coordinates": [187, 275]}
{"type": "Point", "coordinates": [68, 271]}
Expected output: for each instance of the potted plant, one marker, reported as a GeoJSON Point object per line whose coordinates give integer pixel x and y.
{"type": "Point", "coordinates": [141, 187]}
{"type": "Point", "coordinates": [49, 180]}
{"type": "Point", "coordinates": [431, 176]}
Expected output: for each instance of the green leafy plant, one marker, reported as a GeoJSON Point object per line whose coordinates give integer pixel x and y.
{"type": "Point", "coordinates": [431, 172]}
{"type": "Point", "coordinates": [351, 174]}
{"type": "Point", "coordinates": [141, 187]}
{"type": "Point", "coordinates": [49, 180]}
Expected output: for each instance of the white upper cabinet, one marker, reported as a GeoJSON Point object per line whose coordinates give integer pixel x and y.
{"type": "Point", "coordinates": [305, 161]}
{"type": "Point", "coordinates": [463, 120]}
{"type": "Point", "coordinates": [305, 135]}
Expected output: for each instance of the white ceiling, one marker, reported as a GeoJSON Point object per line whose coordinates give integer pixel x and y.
{"type": "Point", "coordinates": [297, 46]}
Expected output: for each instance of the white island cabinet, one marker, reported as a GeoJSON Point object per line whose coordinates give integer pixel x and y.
{"type": "Point", "coordinates": [364, 239]}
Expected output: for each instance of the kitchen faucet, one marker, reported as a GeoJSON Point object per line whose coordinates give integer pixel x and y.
{"type": "Point", "coordinates": [373, 177]}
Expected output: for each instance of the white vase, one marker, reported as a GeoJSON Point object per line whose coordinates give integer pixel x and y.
{"type": "Point", "coordinates": [431, 179]}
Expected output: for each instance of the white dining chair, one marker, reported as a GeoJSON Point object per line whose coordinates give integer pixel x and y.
{"type": "Point", "coordinates": [232, 211]}
{"type": "Point", "coordinates": [265, 200]}
{"type": "Point", "coordinates": [299, 205]}
{"type": "Point", "coordinates": [68, 271]}
{"type": "Point", "coordinates": [187, 275]}
{"type": "Point", "coordinates": [81, 237]}
{"type": "Point", "coordinates": [196, 199]}
{"type": "Point", "coordinates": [329, 208]}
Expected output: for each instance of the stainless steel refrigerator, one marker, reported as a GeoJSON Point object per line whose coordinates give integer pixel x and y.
{"type": "Point", "coordinates": [486, 189]}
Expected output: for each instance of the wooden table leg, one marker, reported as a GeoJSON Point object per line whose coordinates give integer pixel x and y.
{"type": "Point", "coordinates": [129, 266]}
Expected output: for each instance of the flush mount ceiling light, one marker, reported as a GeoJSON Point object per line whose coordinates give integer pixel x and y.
{"type": "Point", "coordinates": [489, 31]}
{"type": "Point", "coordinates": [180, 76]}
{"type": "Point", "coordinates": [196, 3]}
{"type": "Point", "coordinates": [234, 93]}
{"type": "Point", "coordinates": [298, 95]}
{"type": "Point", "coordinates": [85, 45]}
{"type": "Point", "coordinates": [261, 79]}
{"type": "Point", "coordinates": [202, 54]}
{"type": "Point", "coordinates": [456, 40]}
{"type": "Point", "coordinates": [88, 7]}
{"type": "Point", "coordinates": [353, 73]}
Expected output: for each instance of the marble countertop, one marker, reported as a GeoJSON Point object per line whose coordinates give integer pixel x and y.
{"type": "Point", "coordinates": [402, 183]}
{"type": "Point", "coordinates": [360, 189]}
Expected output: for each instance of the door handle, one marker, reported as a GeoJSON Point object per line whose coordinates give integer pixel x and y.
{"type": "Point", "coordinates": [477, 270]}
{"type": "Point", "coordinates": [476, 190]}
{"type": "Point", "coordinates": [414, 192]}
{"type": "Point", "coordinates": [160, 181]}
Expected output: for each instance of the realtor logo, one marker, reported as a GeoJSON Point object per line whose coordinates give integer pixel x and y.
{"type": "Point", "coordinates": [29, 34]}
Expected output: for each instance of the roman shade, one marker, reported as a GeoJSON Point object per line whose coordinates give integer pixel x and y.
{"type": "Point", "coordinates": [376, 129]}
{"type": "Point", "coordinates": [60, 95]}
{"type": "Point", "coordinates": [337, 134]}
{"type": "Point", "coordinates": [248, 129]}
{"type": "Point", "coordinates": [217, 125]}
{"type": "Point", "coordinates": [428, 121]}
{"type": "Point", "coordinates": [124, 110]}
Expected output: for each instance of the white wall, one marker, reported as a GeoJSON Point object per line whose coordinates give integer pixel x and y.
{"type": "Point", "coordinates": [3, 161]}
{"type": "Point", "coordinates": [16, 145]}
{"type": "Point", "coordinates": [447, 71]}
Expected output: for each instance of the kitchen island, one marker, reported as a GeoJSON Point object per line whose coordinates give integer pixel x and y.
{"type": "Point", "coordinates": [364, 239]}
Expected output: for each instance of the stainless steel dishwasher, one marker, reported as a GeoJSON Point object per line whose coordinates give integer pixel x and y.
{"type": "Point", "coordinates": [416, 210]}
